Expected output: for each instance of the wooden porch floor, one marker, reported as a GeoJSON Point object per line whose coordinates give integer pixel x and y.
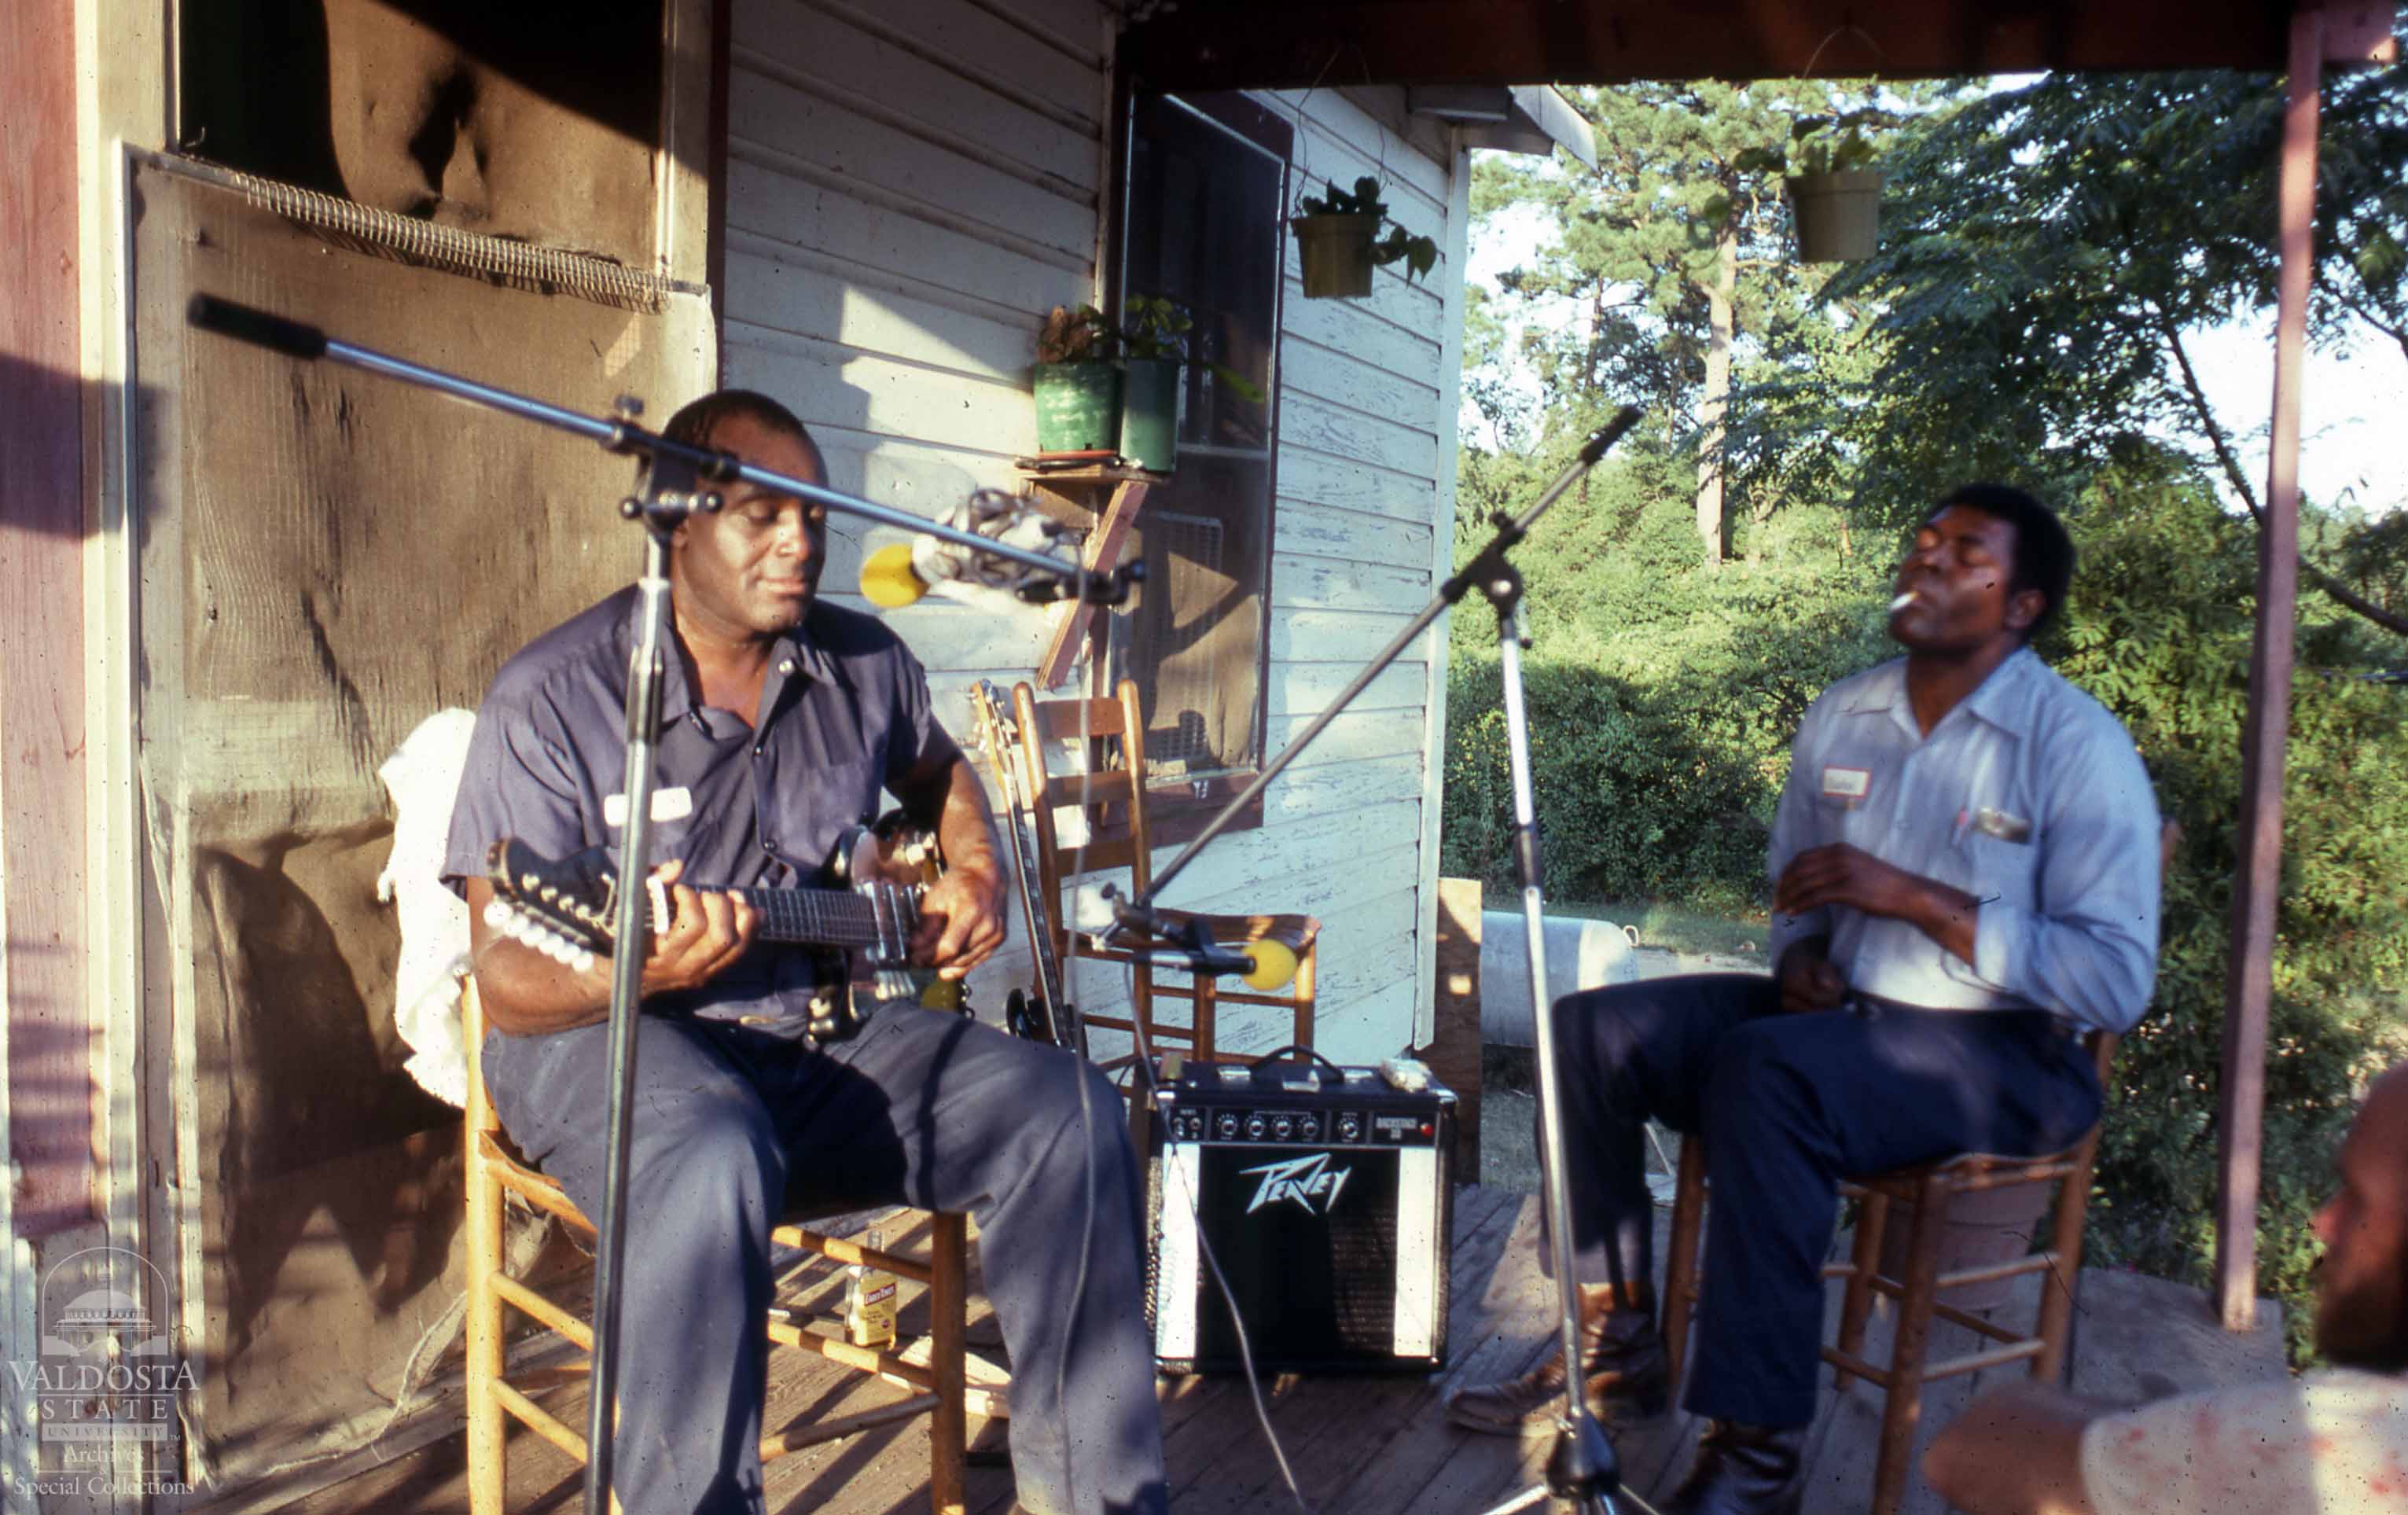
{"type": "Point", "coordinates": [1374, 1445]}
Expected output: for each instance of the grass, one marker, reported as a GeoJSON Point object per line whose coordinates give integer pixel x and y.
{"type": "Point", "coordinates": [1672, 926]}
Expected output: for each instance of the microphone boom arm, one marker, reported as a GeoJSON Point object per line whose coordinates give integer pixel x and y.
{"type": "Point", "coordinates": [1487, 567]}
{"type": "Point", "coordinates": [621, 435]}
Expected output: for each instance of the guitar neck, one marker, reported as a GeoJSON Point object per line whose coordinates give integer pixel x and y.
{"type": "Point", "coordinates": [813, 916]}
{"type": "Point", "coordinates": [1039, 909]}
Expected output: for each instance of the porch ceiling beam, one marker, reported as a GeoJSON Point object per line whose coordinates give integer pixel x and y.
{"type": "Point", "coordinates": [1291, 44]}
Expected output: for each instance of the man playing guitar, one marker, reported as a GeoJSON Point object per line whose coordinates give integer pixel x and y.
{"type": "Point", "coordinates": [782, 720]}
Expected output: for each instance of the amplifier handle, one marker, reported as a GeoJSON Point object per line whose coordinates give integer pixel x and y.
{"type": "Point", "coordinates": [1259, 1073]}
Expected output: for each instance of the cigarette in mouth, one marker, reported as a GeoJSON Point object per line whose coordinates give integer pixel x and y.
{"type": "Point", "coordinates": [1902, 602]}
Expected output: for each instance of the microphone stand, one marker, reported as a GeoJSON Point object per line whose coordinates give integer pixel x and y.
{"type": "Point", "coordinates": [1582, 1471]}
{"type": "Point", "coordinates": [676, 477]}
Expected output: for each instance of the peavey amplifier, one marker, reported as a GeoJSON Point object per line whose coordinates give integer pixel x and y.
{"type": "Point", "coordinates": [1327, 1198]}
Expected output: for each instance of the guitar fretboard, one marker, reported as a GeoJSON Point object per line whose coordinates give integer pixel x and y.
{"type": "Point", "coordinates": [816, 917]}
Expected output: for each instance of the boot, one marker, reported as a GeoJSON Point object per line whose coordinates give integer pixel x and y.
{"type": "Point", "coordinates": [1626, 1380]}
{"type": "Point", "coordinates": [1743, 1470]}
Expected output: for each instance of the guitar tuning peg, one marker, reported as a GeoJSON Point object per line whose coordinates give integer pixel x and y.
{"type": "Point", "coordinates": [498, 915]}
{"type": "Point", "coordinates": [529, 884]}
{"type": "Point", "coordinates": [547, 894]}
{"type": "Point", "coordinates": [581, 960]}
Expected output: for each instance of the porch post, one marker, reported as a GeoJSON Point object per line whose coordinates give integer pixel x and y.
{"type": "Point", "coordinates": [2241, 1098]}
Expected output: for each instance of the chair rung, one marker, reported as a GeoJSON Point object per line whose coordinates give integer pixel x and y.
{"type": "Point", "coordinates": [1992, 1272]}
{"type": "Point", "coordinates": [1974, 1323]}
{"type": "Point", "coordinates": [542, 1194]}
{"type": "Point", "coordinates": [540, 1421]}
{"type": "Point", "coordinates": [863, 1358]}
{"type": "Point", "coordinates": [1109, 787]}
{"type": "Point", "coordinates": [530, 1303]}
{"type": "Point", "coordinates": [1851, 1363]}
{"type": "Point", "coordinates": [1976, 1362]}
{"type": "Point", "coordinates": [843, 1249]}
{"type": "Point", "coordinates": [2036, 1172]}
{"type": "Point", "coordinates": [774, 1446]}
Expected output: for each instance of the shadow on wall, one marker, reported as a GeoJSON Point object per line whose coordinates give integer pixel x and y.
{"type": "Point", "coordinates": [534, 120]}
{"type": "Point", "coordinates": [302, 1077]}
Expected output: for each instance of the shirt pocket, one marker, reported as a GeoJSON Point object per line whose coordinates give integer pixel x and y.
{"type": "Point", "coordinates": [819, 805]}
{"type": "Point", "coordinates": [1996, 868]}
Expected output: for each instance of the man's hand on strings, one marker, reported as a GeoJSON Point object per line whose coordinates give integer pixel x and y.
{"type": "Point", "coordinates": [961, 921]}
{"type": "Point", "coordinates": [708, 930]}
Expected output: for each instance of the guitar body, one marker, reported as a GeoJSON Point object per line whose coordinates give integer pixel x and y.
{"type": "Point", "coordinates": [1047, 1015]}
{"type": "Point", "coordinates": [856, 922]}
{"type": "Point", "coordinates": [892, 863]}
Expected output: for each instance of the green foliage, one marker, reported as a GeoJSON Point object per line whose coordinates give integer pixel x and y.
{"type": "Point", "coordinates": [1661, 699]}
{"type": "Point", "coordinates": [1420, 253]}
{"type": "Point", "coordinates": [1810, 151]}
{"type": "Point", "coordinates": [2169, 654]}
{"type": "Point", "coordinates": [1157, 328]}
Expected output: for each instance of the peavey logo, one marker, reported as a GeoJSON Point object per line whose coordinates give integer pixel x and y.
{"type": "Point", "coordinates": [1303, 1179]}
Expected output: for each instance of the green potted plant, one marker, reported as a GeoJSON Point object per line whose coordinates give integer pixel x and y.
{"type": "Point", "coordinates": [1157, 340]}
{"type": "Point", "coordinates": [1339, 240]}
{"type": "Point", "coordinates": [1834, 197]}
{"type": "Point", "coordinates": [1077, 382]}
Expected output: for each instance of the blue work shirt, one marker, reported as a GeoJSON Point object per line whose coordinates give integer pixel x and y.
{"type": "Point", "coordinates": [2028, 796]}
{"type": "Point", "coordinates": [844, 713]}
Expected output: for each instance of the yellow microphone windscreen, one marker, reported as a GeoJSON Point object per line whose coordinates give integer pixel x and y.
{"type": "Point", "coordinates": [1274, 964]}
{"type": "Point", "coordinates": [887, 580]}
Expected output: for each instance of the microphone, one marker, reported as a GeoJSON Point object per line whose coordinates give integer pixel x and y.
{"type": "Point", "coordinates": [901, 573]}
{"type": "Point", "coordinates": [246, 325]}
{"type": "Point", "coordinates": [1262, 964]}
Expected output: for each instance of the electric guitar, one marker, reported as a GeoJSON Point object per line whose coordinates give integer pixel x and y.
{"type": "Point", "coordinates": [1049, 1016]}
{"type": "Point", "coordinates": [860, 921]}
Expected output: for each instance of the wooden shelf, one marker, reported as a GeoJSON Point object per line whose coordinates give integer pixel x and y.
{"type": "Point", "coordinates": [1102, 502]}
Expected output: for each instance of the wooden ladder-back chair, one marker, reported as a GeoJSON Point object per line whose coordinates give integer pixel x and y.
{"type": "Point", "coordinates": [1112, 795]}
{"type": "Point", "coordinates": [1931, 1189]}
{"type": "Point", "coordinates": [493, 1171]}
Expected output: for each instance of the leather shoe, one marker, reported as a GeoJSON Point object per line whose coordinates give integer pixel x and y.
{"type": "Point", "coordinates": [1626, 1378]}
{"type": "Point", "coordinates": [1743, 1470]}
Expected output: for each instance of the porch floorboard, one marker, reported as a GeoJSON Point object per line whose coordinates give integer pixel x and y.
{"type": "Point", "coordinates": [1378, 1446]}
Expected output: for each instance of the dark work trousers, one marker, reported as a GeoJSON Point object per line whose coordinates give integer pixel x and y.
{"type": "Point", "coordinates": [731, 1125]}
{"type": "Point", "coordinates": [1789, 1105]}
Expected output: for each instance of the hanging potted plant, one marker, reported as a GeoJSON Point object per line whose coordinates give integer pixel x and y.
{"type": "Point", "coordinates": [1076, 383]}
{"type": "Point", "coordinates": [1339, 240]}
{"type": "Point", "coordinates": [1834, 197]}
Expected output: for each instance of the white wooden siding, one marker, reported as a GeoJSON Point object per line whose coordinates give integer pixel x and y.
{"type": "Point", "coordinates": [911, 186]}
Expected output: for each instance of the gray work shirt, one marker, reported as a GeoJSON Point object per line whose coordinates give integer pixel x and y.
{"type": "Point", "coordinates": [2026, 796]}
{"type": "Point", "coordinates": [844, 712]}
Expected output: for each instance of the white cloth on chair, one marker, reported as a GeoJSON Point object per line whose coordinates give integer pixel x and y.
{"type": "Point", "coordinates": [423, 776]}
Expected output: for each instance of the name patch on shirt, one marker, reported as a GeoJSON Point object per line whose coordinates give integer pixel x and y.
{"type": "Point", "coordinates": [1850, 784]}
{"type": "Point", "coordinates": [667, 804]}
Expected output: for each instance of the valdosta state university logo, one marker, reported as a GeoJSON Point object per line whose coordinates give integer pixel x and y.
{"type": "Point", "coordinates": [108, 1366]}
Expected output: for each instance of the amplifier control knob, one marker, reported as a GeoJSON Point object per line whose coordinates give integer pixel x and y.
{"type": "Point", "coordinates": [1256, 1126]}
{"type": "Point", "coordinates": [1350, 1127]}
{"type": "Point", "coordinates": [1283, 1126]}
{"type": "Point", "coordinates": [1227, 1126]}
{"type": "Point", "coordinates": [1308, 1126]}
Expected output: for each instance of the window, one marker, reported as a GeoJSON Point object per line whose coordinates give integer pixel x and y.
{"type": "Point", "coordinates": [1203, 226]}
